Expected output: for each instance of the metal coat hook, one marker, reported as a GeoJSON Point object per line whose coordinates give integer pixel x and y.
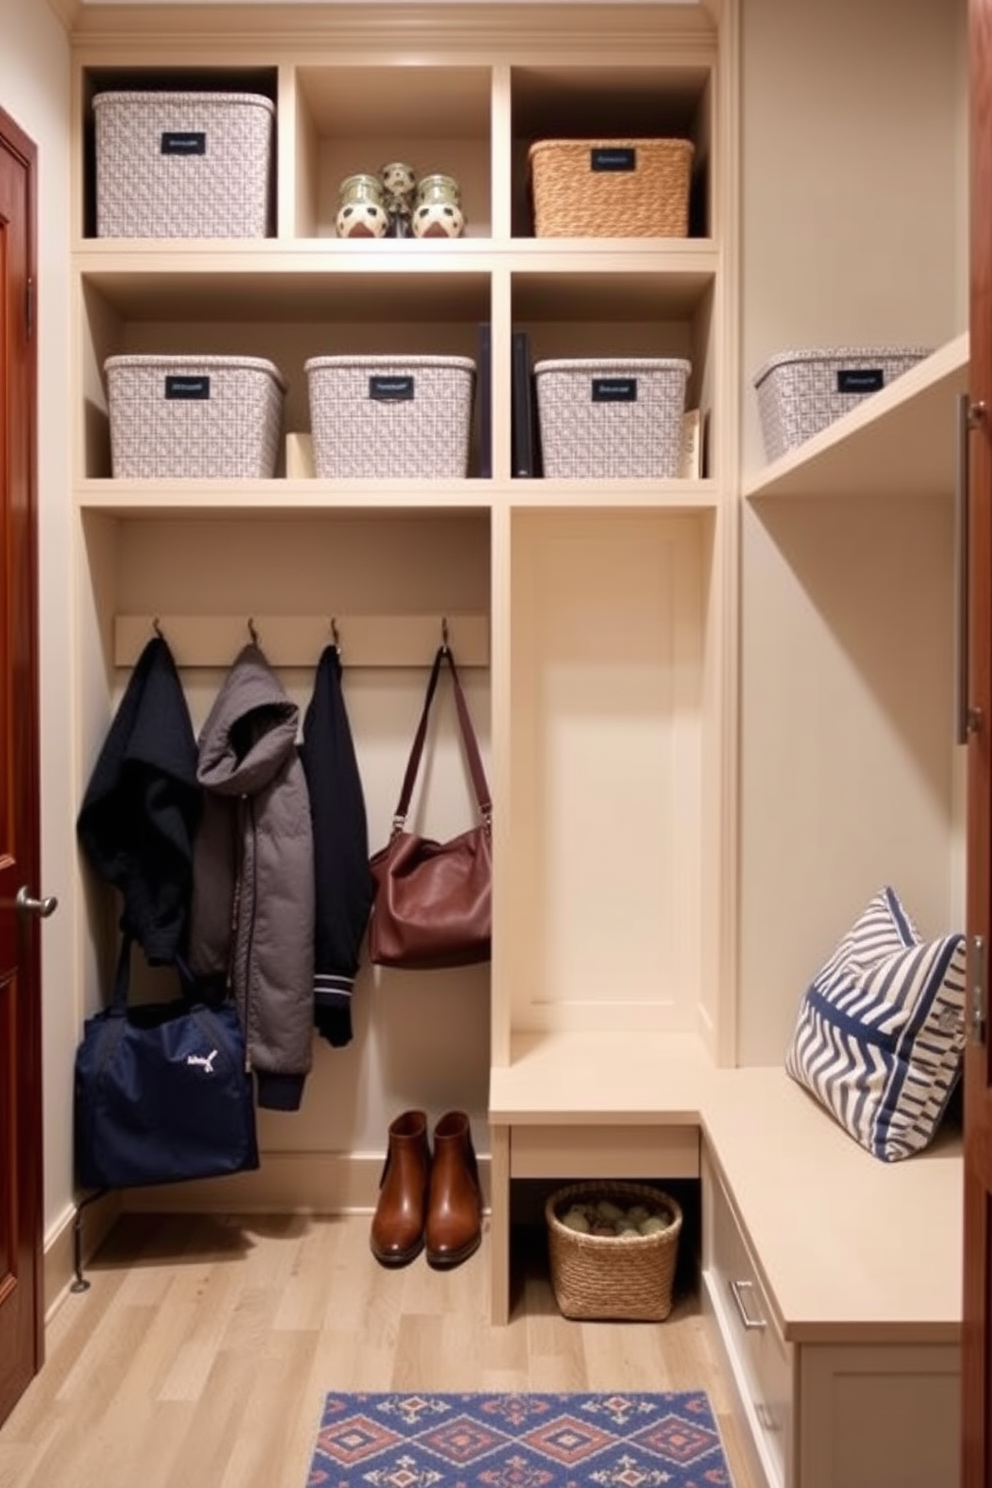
{"type": "Point", "coordinates": [335, 637]}
{"type": "Point", "coordinates": [444, 633]}
{"type": "Point", "coordinates": [252, 631]}
{"type": "Point", "coordinates": [157, 628]}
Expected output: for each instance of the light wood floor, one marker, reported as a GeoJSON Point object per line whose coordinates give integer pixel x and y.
{"type": "Point", "coordinates": [200, 1356]}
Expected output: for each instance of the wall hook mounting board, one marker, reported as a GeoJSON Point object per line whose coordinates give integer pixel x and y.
{"type": "Point", "coordinates": [297, 640]}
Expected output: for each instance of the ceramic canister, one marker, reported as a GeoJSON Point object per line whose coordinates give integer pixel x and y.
{"type": "Point", "coordinates": [438, 211]}
{"type": "Point", "coordinates": [361, 207]}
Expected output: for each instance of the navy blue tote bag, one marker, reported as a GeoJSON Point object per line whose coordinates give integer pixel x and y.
{"type": "Point", "coordinates": [162, 1091]}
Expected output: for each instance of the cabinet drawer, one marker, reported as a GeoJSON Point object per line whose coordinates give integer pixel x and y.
{"type": "Point", "coordinates": [762, 1359]}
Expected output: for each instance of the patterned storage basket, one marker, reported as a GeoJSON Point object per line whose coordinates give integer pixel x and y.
{"type": "Point", "coordinates": [620, 188]}
{"type": "Point", "coordinates": [610, 1276]}
{"type": "Point", "coordinates": [202, 416]}
{"type": "Point", "coordinates": [395, 417]}
{"type": "Point", "coordinates": [801, 392]}
{"type": "Point", "coordinates": [612, 418]}
{"type": "Point", "coordinates": [182, 165]}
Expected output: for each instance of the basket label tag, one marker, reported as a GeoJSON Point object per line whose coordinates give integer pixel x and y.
{"type": "Point", "coordinates": [613, 158]}
{"type": "Point", "coordinates": [178, 386]}
{"type": "Point", "coordinates": [184, 142]}
{"type": "Point", "coordinates": [391, 389]}
{"type": "Point", "coordinates": [861, 380]}
{"type": "Point", "coordinates": [614, 389]}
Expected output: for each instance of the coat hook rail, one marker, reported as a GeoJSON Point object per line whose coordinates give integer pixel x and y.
{"type": "Point", "coordinates": [401, 640]}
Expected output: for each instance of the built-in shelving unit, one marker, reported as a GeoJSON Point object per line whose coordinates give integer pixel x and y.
{"type": "Point", "coordinates": [715, 712]}
{"type": "Point", "coordinates": [604, 677]}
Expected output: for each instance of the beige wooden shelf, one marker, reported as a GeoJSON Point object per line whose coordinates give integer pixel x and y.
{"type": "Point", "coordinates": [150, 500]}
{"type": "Point", "coordinates": [900, 442]}
{"type": "Point", "coordinates": [277, 498]}
{"type": "Point", "coordinates": [306, 277]}
{"type": "Point", "coordinates": [582, 1078]}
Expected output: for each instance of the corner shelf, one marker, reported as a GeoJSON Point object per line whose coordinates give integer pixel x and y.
{"type": "Point", "coordinates": [900, 442]}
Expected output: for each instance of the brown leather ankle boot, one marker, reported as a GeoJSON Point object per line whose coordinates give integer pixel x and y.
{"type": "Point", "coordinates": [397, 1233]}
{"type": "Point", "coordinates": [454, 1205]}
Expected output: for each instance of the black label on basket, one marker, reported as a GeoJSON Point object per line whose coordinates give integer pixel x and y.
{"type": "Point", "coordinates": [613, 158]}
{"type": "Point", "coordinates": [614, 390]}
{"type": "Point", "coordinates": [861, 380]}
{"type": "Point", "coordinates": [391, 389]}
{"type": "Point", "coordinates": [177, 386]}
{"type": "Point", "coordinates": [184, 142]}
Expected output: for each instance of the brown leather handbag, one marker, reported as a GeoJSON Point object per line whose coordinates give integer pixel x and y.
{"type": "Point", "coordinates": [432, 905]}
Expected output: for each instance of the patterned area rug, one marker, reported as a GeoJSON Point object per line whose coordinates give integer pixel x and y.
{"type": "Point", "coordinates": [518, 1441]}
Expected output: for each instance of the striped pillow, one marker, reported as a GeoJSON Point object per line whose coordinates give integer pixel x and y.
{"type": "Point", "coordinates": [879, 1040]}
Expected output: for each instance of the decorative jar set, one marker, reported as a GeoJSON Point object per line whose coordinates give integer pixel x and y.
{"type": "Point", "coordinates": [394, 204]}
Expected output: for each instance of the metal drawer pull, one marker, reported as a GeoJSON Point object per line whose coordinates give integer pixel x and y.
{"type": "Point", "coordinates": [738, 1288]}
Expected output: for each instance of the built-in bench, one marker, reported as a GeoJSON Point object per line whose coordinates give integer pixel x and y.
{"type": "Point", "coordinates": [835, 1280]}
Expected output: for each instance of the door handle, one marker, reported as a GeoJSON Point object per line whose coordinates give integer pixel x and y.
{"type": "Point", "coordinates": [966, 719]}
{"type": "Point", "coordinates": [40, 907]}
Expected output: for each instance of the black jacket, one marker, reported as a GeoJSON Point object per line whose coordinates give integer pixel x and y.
{"type": "Point", "coordinates": [343, 881]}
{"type": "Point", "coordinates": [142, 805]}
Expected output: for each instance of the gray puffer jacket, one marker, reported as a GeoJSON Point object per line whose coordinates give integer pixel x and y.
{"type": "Point", "coordinates": [252, 913]}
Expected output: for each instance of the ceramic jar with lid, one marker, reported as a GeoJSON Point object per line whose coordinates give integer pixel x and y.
{"type": "Point", "coordinates": [361, 207]}
{"type": "Point", "coordinates": [437, 212]}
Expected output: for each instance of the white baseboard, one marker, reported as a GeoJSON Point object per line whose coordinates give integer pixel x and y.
{"type": "Point", "coordinates": [96, 1221]}
{"type": "Point", "coordinates": [285, 1183]}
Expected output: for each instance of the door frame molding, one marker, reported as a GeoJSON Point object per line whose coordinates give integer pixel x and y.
{"type": "Point", "coordinates": [22, 148]}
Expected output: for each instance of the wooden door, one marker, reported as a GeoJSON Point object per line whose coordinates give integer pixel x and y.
{"type": "Point", "coordinates": [21, 1314]}
{"type": "Point", "coordinates": [977, 1366]}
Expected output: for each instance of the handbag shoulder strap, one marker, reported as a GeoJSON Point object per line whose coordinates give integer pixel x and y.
{"type": "Point", "coordinates": [468, 738]}
{"type": "Point", "coordinates": [122, 975]}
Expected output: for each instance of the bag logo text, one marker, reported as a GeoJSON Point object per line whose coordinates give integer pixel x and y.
{"type": "Point", "coordinates": [204, 1062]}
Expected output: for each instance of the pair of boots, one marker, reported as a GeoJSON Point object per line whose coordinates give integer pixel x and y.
{"type": "Point", "coordinates": [426, 1201]}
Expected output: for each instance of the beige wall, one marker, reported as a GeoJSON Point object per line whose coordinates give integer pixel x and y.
{"type": "Point", "coordinates": [34, 91]}
{"type": "Point", "coordinates": [853, 233]}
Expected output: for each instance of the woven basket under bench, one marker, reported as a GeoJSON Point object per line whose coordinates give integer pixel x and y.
{"type": "Point", "coordinates": [610, 1276]}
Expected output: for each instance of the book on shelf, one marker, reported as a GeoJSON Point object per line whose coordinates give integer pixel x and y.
{"type": "Point", "coordinates": [484, 397]}
{"type": "Point", "coordinates": [523, 413]}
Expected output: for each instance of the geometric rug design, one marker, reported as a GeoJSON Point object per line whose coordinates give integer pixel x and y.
{"type": "Point", "coordinates": [519, 1441]}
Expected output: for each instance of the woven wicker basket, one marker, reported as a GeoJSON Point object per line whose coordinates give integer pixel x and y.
{"type": "Point", "coordinates": [182, 165]}
{"type": "Point", "coordinates": [609, 1277]}
{"type": "Point", "coordinates": [612, 418]}
{"type": "Point", "coordinates": [390, 417]}
{"type": "Point", "coordinates": [619, 188]}
{"type": "Point", "coordinates": [200, 416]}
{"type": "Point", "coordinates": [802, 392]}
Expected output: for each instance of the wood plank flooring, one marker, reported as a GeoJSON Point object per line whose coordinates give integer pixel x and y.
{"type": "Point", "coordinates": [200, 1355]}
